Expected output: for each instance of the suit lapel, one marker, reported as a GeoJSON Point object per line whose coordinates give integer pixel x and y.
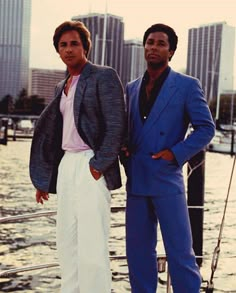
{"type": "Point", "coordinates": [134, 98]}
{"type": "Point", "coordinates": [166, 94]}
{"type": "Point", "coordinates": [79, 93]}
{"type": "Point", "coordinates": [60, 87]}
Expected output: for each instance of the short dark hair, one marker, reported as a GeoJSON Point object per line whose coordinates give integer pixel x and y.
{"type": "Point", "coordinates": [76, 26]}
{"type": "Point", "coordinates": [160, 27]}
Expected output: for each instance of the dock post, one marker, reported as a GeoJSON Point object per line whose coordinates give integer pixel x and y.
{"type": "Point", "coordinates": [232, 143]}
{"type": "Point", "coordinates": [4, 128]}
{"type": "Point", "coordinates": [195, 193]}
{"type": "Point", "coordinates": [14, 131]}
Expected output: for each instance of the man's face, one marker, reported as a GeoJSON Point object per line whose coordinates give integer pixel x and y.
{"type": "Point", "coordinates": [157, 49]}
{"type": "Point", "coordinates": [71, 50]}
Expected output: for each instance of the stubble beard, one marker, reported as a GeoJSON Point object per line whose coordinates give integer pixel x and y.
{"type": "Point", "coordinates": [156, 65]}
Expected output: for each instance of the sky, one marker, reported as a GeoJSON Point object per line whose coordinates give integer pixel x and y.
{"type": "Point", "coordinates": [137, 15]}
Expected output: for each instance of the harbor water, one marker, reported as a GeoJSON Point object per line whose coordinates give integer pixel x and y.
{"type": "Point", "coordinates": [32, 242]}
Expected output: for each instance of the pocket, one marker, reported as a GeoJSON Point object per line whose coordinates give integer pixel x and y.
{"type": "Point", "coordinates": [162, 166]}
{"type": "Point", "coordinates": [102, 187]}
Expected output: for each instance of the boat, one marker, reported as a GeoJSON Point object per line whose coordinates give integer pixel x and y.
{"type": "Point", "coordinates": [223, 142]}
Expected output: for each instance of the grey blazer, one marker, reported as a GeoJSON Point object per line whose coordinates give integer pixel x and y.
{"type": "Point", "coordinates": [99, 114]}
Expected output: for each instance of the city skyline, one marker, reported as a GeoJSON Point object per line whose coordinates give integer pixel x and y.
{"type": "Point", "coordinates": [181, 15]}
{"type": "Point", "coordinates": [210, 57]}
{"type": "Point", "coordinates": [14, 45]}
{"type": "Point", "coordinates": [108, 50]}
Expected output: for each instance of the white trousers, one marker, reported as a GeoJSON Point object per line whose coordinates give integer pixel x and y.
{"type": "Point", "coordinates": [83, 224]}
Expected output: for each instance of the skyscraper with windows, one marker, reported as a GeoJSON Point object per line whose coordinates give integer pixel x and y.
{"type": "Point", "coordinates": [15, 16]}
{"type": "Point", "coordinates": [107, 34]}
{"type": "Point", "coordinates": [42, 82]}
{"type": "Point", "coordinates": [134, 64]}
{"type": "Point", "coordinates": [211, 57]}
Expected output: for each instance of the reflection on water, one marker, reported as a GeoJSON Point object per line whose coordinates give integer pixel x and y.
{"type": "Point", "coordinates": [33, 242]}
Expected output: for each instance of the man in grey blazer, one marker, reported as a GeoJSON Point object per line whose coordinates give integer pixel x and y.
{"type": "Point", "coordinates": [74, 153]}
{"type": "Point", "coordinates": [161, 105]}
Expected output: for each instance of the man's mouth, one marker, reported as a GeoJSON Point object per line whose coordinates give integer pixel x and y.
{"type": "Point", "coordinates": [153, 55]}
{"type": "Point", "coordinates": [69, 57]}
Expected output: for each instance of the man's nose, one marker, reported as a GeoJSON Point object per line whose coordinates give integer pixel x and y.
{"type": "Point", "coordinates": [68, 49]}
{"type": "Point", "coordinates": [154, 46]}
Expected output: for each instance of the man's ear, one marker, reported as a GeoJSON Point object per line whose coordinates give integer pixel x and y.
{"type": "Point", "coordinates": [171, 54]}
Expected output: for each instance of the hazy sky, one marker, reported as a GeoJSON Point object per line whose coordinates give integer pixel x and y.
{"type": "Point", "coordinates": [137, 15]}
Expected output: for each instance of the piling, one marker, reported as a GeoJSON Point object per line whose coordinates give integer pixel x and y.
{"type": "Point", "coordinates": [232, 143]}
{"type": "Point", "coordinates": [195, 199]}
{"type": "Point", "coordinates": [4, 126]}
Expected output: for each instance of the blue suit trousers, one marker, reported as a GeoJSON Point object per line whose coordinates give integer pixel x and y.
{"type": "Point", "coordinates": [143, 213]}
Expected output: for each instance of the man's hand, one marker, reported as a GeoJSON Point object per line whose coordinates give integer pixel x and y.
{"type": "Point", "coordinates": [41, 195]}
{"type": "Point", "coordinates": [165, 154]}
{"type": "Point", "coordinates": [95, 173]}
{"type": "Point", "coordinates": [125, 152]}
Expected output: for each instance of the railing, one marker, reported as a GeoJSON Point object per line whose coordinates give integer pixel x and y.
{"type": "Point", "coordinates": [11, 219]}
{"type": "Point", "coordinates": [161, 260]}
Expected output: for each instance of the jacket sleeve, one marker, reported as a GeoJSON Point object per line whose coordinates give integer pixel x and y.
{"type": "Point", "coordinates": [202, 123]}
{"type": "Point", "coordinates": [46, 151]}
{"type": "Point", "coordinates": [112, 109]}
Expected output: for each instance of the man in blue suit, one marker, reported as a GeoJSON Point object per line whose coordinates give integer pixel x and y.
{"type": "Point", "coordinates": [160, 107]}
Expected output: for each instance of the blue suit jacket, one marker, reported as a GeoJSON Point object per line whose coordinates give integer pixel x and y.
{"type": "Point", "coordinates": [180, 102]}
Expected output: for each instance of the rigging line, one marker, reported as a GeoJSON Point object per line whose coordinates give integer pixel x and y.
{"type": "Point", "coordinates": [192, 169]}
{"type": "Point", "coordinates": [216, 253]}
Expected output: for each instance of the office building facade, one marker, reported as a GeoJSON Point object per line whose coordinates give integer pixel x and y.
{"type": "Point", "coordinates": [134, 64]}
{"type": "Point", "coordinates": [107, 34]}
{"type": "Point", "coordinates": [15, 16]}
{"type": "Point", "coordinates": [42, 82]}
{"type": "Point", "coordinates": [210, 57]}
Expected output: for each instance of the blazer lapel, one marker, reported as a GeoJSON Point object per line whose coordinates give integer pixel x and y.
{"type": "Point", "coordinates": [134, 99]}
{"type": "Point", "coordinates": [60, 87]}
{"type": "Point", "coordinates": [79, 93]}
{"type": "Point", "coordinates": [166, 94]}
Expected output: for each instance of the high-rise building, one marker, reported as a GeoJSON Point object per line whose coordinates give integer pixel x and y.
{"type": "Point", "coordinates": [42, 82]}
{"type": "Point", "coordinates": [134, 64]}
{"type": "Point", "coordinates": [211, 58]}
{"type": "Point", "coordinates": [107, 34]}
{"type": "Point", "coordinates": [15, 16]}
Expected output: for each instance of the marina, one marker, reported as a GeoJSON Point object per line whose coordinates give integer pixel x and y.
{"type": "Point", "coordinates": [32, 242]}
{"type": "Point", "coordinates": [28, 254]}
{"type": "Point", "coordinates": [224, 141]}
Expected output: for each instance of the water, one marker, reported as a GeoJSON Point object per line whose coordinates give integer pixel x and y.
{"type": "Point", "coordinates": [33, 242]}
